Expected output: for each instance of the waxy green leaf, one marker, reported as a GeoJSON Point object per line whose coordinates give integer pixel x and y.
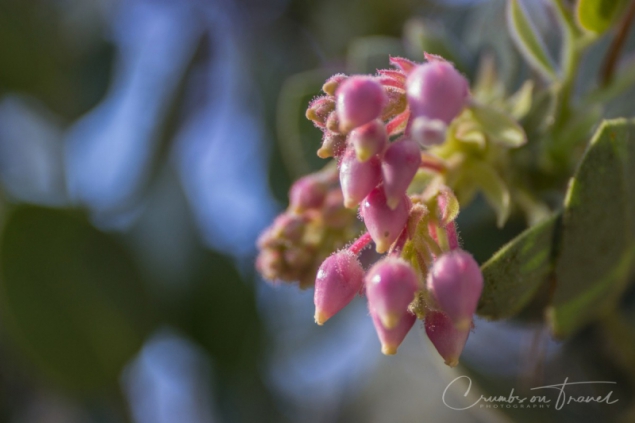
{"type": "Point", "coordinates": [71, 298]}
{"type": "Point", "coordinates": [598, 15]}
{"type": "Point", "coordinates": [517, 271]}
{"type": "Point", "coordinates": [598, 230]}
{"type": "Point", "coordinates": [528, 41]}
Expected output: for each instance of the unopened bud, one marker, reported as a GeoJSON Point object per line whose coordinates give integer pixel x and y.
{"type": "Point", "coordinates": [436, 90]}
{"type": "Point", "coordinates": [270, 264]}
{"type": "Point", "coordinates": [307, 193]}
{"type": "Point", "coordinates": [360, 99]}
{"type": "Point", "coordinates": [383, 223]}
{"type": "Point", "coordinates": [369, 139]}
{"type": "Point", "coordinates": [446, 338]}
{"type": "Point", "coordinates": [399, 165]}
{"type": "Point", "coordinates": [289, 226]}
{"type": "Point", "coordinates": [428, 132]}
{"type": "Point", "coordinates": [391, 285]}
{"type": "Point", "coordinates": [333, 123]}
{"type": "Point", "coordinates": [319, 110]}
{"type": "Point", "coordinates": [339, 278]}
{"type": "Point", "coordinates": [331, 84]}
{"type": "Point", "coordinates": [455, 281]}
{"type": "Point", "coordinates": [391, 339]}
{"type": "Point", "coordinates": [333, 145]}
{"type": "Point", "coordinates": [358, 178]}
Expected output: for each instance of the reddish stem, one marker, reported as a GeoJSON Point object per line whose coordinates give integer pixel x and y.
{"type": "Point", "coordinates": [360, 243]}
{"type": "Point", "coordinates": [399, 244]}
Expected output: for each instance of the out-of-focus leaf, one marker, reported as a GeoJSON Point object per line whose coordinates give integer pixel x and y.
{"type": "Point", "coordinates": [430, 36]}
{"type": "Point", "coordinates": [516, 272]}
{"type": "Point", "coordinates": [598, 15]}
{"type": "Point", "coordinates": [492, 186]}
{"type": "Point", "coordinates": [528, 41]}
{"type": "Point", "coordinates": [520, 101]}
{"type": "Point", "coordinates": [499, 127]}
{"type": "Point", "coordinates": [297, 139]}
{"type": "Point", "coordinates": [488, 86]}
{"type": "Point", "coordinates": [71, 297]}
{"type": "Point", "coordinates": [367, 54]}
{"type": "Point", "coordinates": [222, 314]}
{"type": "Point", "coordinates": [598, 237]}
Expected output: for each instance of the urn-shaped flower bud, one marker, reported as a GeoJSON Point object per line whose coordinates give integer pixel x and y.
{"type": "Point", "coordinates": [360, 99]}
{"type": "Point", "coordinates": [391, 285]}
{"type": "Point", "coordinates": [436, 90]}
{"type": "Point", "coordinates": [331, 84]}
{"type": "Point", "coordinates": [289, 227]}
{"type": "Point", "coordinates": [339, 278]}
{"type": "Point", "coordinates": [455, 282]}
{"type": "Point", "coordinates": [399, 165]}
{"type": "Point", "coordinates": [320, 109]}
{"type": "Point", "coordinates": [428, 132]}
{"type": "Point", "coordinates": [333, 145]}
{"type": "Point", "coordinates": [358, 178]}
{"type": "Point", "coordinates": [383, 223]}
{"type": "Point", "coordinates": [333, 123]}
{"type": "Point", "coordinates": [391, 339]}
{"type": "Point", "coordinates": [369, 139]}
{"type": "Point", "coordinates": [446, 338]}
{"type": "Point", "coordinates": [306, 193]}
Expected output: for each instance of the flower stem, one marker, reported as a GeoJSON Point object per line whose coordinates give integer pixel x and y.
{"type": "Point", "coordinates": [360, 243]}
{"type": "Point", "coordinates": [608, 68]}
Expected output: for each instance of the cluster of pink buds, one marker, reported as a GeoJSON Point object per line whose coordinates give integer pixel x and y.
{"type": "Point", "coordinates": [376, 127]}
{"type": "Point", "coordinates": [315, 223]}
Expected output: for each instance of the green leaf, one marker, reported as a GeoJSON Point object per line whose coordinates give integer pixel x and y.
{"type": "Point", "coordinates": [516, 272]}
{"type": "Point", "coordinates": [499, 127]}
{"type": "Point", "coordinates": [70, 297]}
{"type": "Point", "coordinates": [528, 41]}
{"type": "Point", "coordinates": [598, 15]}
{"type": "Point", "coordinates": [427, 35]}
{"type": "Point", "coordinates": [598, 236]}
{"type": "Point", "coordinates": [492, 186]}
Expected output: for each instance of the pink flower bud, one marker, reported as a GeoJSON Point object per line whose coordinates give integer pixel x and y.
{"type": "Point", "coordinates": [390, 287]}
{"type": "Point", "coordinates": [319, 110]}
{"type": "Point", "coordinates": [360, 99]}
{"type": "Point", "coordinates": [399, 165]}
{"type": "Point", "coordinates": [455, 282]}
{"type": "Point", "coordinates": [331, 84]}
{"type": "Point", "coordinates": [334, 215]}
{"type": "Point", "coordinates": [391, 339]}
{"type": "Point", "coordinates": [289, 226]}
{"type": "Point", "coordinates": [428, 132]}
{"type": "Point", "coordinates": [306, 193]}
{"type": "Point", "coordinates": [339, 278]}
{"type": "Point", "coordinates": [446, 338]}
{"type": "Point", "coordinates": [358, 178]}
{"type": "Point", "coordinates": [383, 223]}
{"type": "Point", "coordinates": [270, 264]}
{"type": "Point", "coordinates": [369, 140]}
{"type": "Point", "coordinates": [333, 145]}
{"type": "Point", "coordinates": [436, 90]}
